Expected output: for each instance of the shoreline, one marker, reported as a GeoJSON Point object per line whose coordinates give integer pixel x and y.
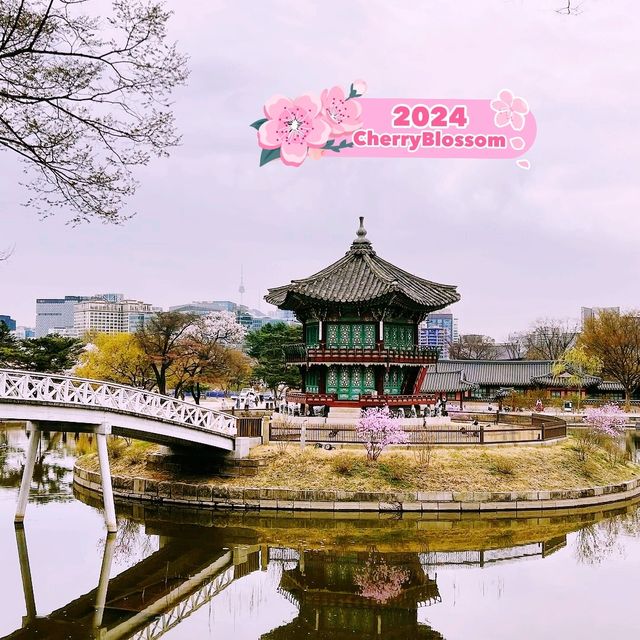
{"type": "Point", "coordinates": [256, 498]}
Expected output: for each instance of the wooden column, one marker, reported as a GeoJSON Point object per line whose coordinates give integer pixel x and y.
{"type": "Point", "coordinates": [379, 373]}
{"type": "Point", "coordinates": [322, 379]}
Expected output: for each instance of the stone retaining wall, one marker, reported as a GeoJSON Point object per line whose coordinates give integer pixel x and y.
{"type": "Point", "coordinates": [204, 495]}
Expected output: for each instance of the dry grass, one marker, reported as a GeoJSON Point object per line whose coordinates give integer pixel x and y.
{"type": "Point", "coordinates": [465, 469]}
{"type": "Point", "coordinates": [127, 457]}
{"type": "Point", "coordinates": [505, 469]}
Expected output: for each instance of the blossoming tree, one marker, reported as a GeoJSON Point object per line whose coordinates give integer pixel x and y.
{"type": "Point", "coordinates": [378, 428]}
{"type": "Point", "coordinates": [608, 420]}
{"type": "Point", "coordinates": [606, 424]}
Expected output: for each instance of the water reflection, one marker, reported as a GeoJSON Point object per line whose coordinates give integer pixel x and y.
{"type": "Point", "coordinates": [191, 573]}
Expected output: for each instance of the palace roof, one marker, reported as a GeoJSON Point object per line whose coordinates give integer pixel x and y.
{"type": "Point", "coordinates": [459, 375]}
{"type": "Point", "coordinates": [362, 276]}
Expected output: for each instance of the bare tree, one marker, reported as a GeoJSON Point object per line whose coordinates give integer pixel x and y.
{"type": "Point", "coordinates": [5, 254]}
{"type": "Point", "coordinates": [84, 99]}
{"type": "Point", "coordinates": [614, 338]}
{"type": "Point", "coordinates": [515, 346]}
{"type": "Point", "coordinates": [473, 347]}
{"type": "Point", "coordinates": [549, 338]}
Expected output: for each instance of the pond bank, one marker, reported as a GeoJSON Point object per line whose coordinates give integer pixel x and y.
{"type": "Point", "coordinates": [469, 481]}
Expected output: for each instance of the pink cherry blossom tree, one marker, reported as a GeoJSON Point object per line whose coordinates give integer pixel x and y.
{"type": "Point", "coordinates": [378, 428]}
{"type": "Point", "coordinates": [608, 420]}
{"type": "Point", "coordinates": [606, 425]}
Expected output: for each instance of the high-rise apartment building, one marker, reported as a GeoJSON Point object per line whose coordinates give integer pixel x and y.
{"type": "Point", "coordinates": [122, 316]}
{"type": "Point", "coordinates": [9, 321]}
{"type": "Point", "coordinates": [56, 315]}
{"type": "Point", "coordinates": [586, 313]}
{"type": "Point", "coordinates": [438, 330]}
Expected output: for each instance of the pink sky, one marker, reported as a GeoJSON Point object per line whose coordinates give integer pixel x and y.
{"type": "Point", "coordinates": [519, 245]}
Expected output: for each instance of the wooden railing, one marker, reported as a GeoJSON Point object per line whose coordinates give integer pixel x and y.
{"type": "Point", "coordinates": [365, 400]}
{"type": "Point", "coordinates": [249, 427]}
{"type": "Point", "coordinates": [536, 430]}
{"type": "Point", "coordinates": [300, 354]}
{"type": "Point", "coordinates": [550, 426]}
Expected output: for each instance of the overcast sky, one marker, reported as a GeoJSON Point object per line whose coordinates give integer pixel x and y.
{"type": "Point", "coordinates": [519, 245]}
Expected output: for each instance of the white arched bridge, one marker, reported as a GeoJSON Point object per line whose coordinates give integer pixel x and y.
{"type": "Point", "coordinates": [64, 403]}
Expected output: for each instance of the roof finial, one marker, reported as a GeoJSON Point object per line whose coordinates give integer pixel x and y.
{"type": "Point", "coordinates": [361, 235]}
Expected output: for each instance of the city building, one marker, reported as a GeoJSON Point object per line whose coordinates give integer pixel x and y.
{"type": "Point", "coordinates": [122, 316]}
{"type": "Point", "coordinates": [251, 319]}
{"type": "Point", "coordinates": [56, 315]}
{"type": "Point", "coordinates": [360, 318]}
{"type": "Point", "coordinates": [285, 315]}
{"type": "Point", "coordinates": [438, 331]}
{"type": "Point", "coordinates": [9, 322]}
{"type": "Point", "coordinates": [205, 307]}
{"type": "Point", "coordinates": [586, 313]}
{"type": "Point", "coordinates": [24, 332]}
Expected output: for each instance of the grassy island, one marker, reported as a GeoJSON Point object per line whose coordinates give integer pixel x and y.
{"type": "Point", "coordinates": [516, 468]}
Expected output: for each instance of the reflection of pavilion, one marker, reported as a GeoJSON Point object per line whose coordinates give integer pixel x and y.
{"type": "Point", "coordinates": [327, 589]}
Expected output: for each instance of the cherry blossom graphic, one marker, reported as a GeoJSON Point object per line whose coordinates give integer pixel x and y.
{"type": "Point", "coordinates": [510, 110]}
{"type": "Point", "coordinates": [342, 114]}
{"type": "Point", "coordinates": [307, 126]}
{"type": "Point", "coordinates": [292, 126]}
{"type": "Point", "coordinates": [524, 164]}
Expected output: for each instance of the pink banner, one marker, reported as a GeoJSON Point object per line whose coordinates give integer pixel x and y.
{"type": "Point", "coordinates": [429, 128]}
{"type": "Point", "coordinates": [337, 123]}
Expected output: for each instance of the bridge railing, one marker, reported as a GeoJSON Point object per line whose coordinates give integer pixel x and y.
{"type": "Point", "coordinates": [24, 386]}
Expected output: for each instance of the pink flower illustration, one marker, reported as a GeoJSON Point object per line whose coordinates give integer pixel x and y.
{"type": "Point", "coordinates": [360, 87]}
{"type": "Point", "coordinates": [342, 114]}
{"type": "Point", "coordinates": [293, 126]}
{"type": "Point", "coordinates": [509, 110]}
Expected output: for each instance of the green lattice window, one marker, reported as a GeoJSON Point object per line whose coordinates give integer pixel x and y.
{"type": "Point", "coordinates": [350, 382]}
{"type": "Point", "coordinates": [393, 380]}
{"type": "Point", "coordinates": [312, 380]}
{"type": "Point", "coordinates": [357, 334]}
{"type": "Point", "coordinates": [398, 336]}
{"type": "Point", "coordinates": [312, 335]}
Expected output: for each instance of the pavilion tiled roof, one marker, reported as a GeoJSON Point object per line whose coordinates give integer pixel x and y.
{"type": "Point", "coordinates": [504, 373]}
{"type": "Point", "coordinates": [496, 373]}
{"type": "Point", "coordinates": [446, 382]}
{"type": "Point", "coordinates": [362, 276]}
{"type": "Point", "coordinates": [566, 380]}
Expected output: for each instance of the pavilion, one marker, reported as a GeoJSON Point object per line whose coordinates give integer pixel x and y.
{"type": "Point", "coordinates": [360, 319]}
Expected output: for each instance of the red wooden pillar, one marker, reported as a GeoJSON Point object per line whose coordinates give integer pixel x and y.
{"type": "Point", "coordinates": [379, 373]}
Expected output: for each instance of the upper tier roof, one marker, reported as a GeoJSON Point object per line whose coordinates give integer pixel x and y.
{"type": "Point", "coordinates": [362, 276]}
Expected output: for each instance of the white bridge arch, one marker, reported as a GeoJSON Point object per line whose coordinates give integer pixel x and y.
{"type": "Point", "coordinates": [46, 398]}
{"type": "Point", "coordinates": [64, 403]}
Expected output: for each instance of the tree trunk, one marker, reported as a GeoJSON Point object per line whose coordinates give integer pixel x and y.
{"type": "Point", "coordinates": [196, 392]}
{"type": "Point", "coordinates": [627, 399]}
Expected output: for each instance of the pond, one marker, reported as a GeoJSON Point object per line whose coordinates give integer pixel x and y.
{"type": "Point", "coordinates": [188, 573]}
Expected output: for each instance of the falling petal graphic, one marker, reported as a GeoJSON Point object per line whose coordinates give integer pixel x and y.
{"type": "Point", "coordinates": [524, 164]}
{"type": "Point", "coordinates": [517, 143]}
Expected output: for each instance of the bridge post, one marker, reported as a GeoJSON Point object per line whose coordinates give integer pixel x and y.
{"type": "Point", "coordinates": [25, 572]}
{"type": "Point", "coordinates": [105, 476]}
{"type": "Point", "coordinates": [27, 474]}
{"type": "Point", "coordinates": [103, 583]}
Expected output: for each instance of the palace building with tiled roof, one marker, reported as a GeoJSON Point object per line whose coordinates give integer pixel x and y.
{"type": "Point", "coordinates": [360, 319]}
{"type": "Point", "coordinates": [491, 379]}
